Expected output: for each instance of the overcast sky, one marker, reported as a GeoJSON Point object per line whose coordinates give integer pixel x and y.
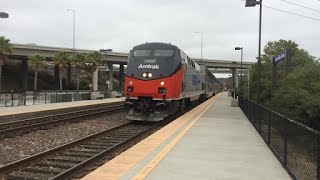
{"type": "Point", "coordinates": [122, 24]}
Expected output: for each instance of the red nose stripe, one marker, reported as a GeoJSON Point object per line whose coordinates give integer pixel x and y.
{"type": "Point", "coordinates": [149, 88]}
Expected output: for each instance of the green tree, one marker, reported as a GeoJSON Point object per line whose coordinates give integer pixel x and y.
{"type": "Point", "coordinates": [36, 60]}
{"type": "Point", "coordinates": [5, 49]}
{"type": "Point", "coordinates": [79, 61]}
{"type": "Point", "coordinates": [297, 95]}
{"type": "Point", "coordinates": [94, 60]}
{"type": "Point", "coordinates": [275, 47]}
{"type": "Point", "coordinates": [60, 59]}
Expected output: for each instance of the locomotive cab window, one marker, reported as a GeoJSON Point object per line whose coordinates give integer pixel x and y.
{"type": "Point", "coordinates": [141, 53]}
{"type": "Point", "coordinates": [163, 53]}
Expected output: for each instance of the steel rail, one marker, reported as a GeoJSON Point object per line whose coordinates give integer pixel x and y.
{"type": "Point", "coordinates": [33, 123]}
{"type": "Point", "coordinates": [25, 161]}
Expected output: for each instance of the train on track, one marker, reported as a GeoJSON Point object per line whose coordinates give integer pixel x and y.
{"type": "Point", "coordinates": [161, 80]}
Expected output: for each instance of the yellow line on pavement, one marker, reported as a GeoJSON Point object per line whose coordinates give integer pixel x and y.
{"type": "Point", "coordinates": [152, 164]}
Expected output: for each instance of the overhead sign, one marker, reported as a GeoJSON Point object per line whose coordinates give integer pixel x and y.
{"type": "Point", "coordinates": [280, 57]}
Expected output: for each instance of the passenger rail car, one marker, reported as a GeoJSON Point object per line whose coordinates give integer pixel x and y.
{"type": "Point", "coordinates": [161, 80]}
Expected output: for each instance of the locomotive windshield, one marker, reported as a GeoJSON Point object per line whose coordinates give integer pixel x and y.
{"type": "Point", "coordinates": [142, 53]}
{"type": "Point", "coordinates": [158, 59]}
{"type": "Point", "coordinates": [146, 53]}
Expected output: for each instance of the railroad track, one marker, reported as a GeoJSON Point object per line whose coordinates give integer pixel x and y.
{"type": "Point", "coordinates": [64, 161]}
{"type": "Point", "coordinates": [22, 126]}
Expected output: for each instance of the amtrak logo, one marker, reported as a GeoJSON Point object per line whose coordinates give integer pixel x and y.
{"type": "Point", "coordinates": [148, 66]}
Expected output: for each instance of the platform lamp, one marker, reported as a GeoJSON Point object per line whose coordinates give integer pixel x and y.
{"type": "Point", "coordinates": [240, 48]}
{"type": "Point", "coordinates": [4, 15]}
{"type": "Point", "coordinates": [253, 3]}
{"type": "Point", "coordinates": [201, 35]}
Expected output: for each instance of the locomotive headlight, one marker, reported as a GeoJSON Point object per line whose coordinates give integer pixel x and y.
{"type": "Point", "coordinates": [130, 83]}
{"type": "Point", "coordinates": [144, 75]}
{"type": "Point", "coordinates": [149, 75]}
{"type": "Point", "coordinates": [162, 83]}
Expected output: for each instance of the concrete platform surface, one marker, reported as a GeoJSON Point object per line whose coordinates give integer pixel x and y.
{"type": "Point", "coordinates": [213, 141]}
{"type": "Point", "coordinates": [221, 145]}
{"type": "Point", "coordinates": [44, 107]}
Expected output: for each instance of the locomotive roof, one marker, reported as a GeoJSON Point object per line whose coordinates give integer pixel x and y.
{"type": "Point", "coordinates": [155, 45]}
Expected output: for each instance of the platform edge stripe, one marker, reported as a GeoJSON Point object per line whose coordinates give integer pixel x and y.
{"type": "Point", "coordinates": [152, 163]}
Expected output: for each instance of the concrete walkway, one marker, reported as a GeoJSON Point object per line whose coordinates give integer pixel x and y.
{"type": "Point", "coordinates": [222, 144]}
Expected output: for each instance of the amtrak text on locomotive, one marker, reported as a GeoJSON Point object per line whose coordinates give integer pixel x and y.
{"type": "Point", "coordinates": [148, 66]}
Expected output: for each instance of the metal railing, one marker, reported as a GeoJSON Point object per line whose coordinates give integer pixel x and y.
{"type": "Point", "coordinates": [295, 145]}
{"type": "Point", "coordinates": [45, 97]}
{"type": "Point", "coordinates": [10, 99]}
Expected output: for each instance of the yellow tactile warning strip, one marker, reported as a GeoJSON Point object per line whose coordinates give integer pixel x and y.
{"type": "Point", "coordinates": [53, 106]}
{"type": "Point", "coordinates": [153, 163]}
{"type": "Point", "coordinates": [121, 164]}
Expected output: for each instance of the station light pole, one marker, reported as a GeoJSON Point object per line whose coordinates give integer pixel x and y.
{"type": "Point", "coordinates": [253, 3]}
{"type": "Point", "coordinates": [2, 15]}
{"type": "Point", "coordinates": [201, 34]}
{"type": "Point", "coordinates": [68, 81]}
{"type": "Point", "coordinates": [240, 48]}
{"type": "Point", "coordinates": [74, 27]}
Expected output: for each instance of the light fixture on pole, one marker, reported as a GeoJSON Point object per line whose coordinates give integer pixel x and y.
{"type": "Point", "coordinates": [252, 3]}
{"type": "Point", "coordinates": [4, 15]}
{"type": "Point", "coordinates": [201, 33]}
{"type": "Point", "coordinates": [68, 81]}
{"type": "Point", "coordinates": [240, 48]}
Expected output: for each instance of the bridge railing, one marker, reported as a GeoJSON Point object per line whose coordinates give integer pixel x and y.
{"type": "Point", "coordinates": [295, 145]}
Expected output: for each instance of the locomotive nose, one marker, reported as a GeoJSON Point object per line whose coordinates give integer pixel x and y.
{"type": "Point", "coordinates": [147, 88]}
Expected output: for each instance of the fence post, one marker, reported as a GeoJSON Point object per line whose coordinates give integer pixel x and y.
{"type": "Point", "coordinates": [45, 97]}
{"type": "Point", "coordinates": [33, 97]}
{"type": "Point", "coordinates": [11, 99]}
{"type": "Point", "coordinates": [269, 127]}
{"type": "Point", "coordinates": [259, 116]}
{"type": "Point", "coordinates": [285, 154]}
{"type": "Point", "coordinates": [248, 108]}
{"type": "Point", "coordinates": [25, 98]}
{"type": "Point", "coordinates": [254, 114]}
{"type": "Point", "coordinates": [318, 156]}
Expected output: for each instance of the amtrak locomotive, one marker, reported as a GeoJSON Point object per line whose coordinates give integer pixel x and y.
{"type": "Point", "coordinates": [161, 80]}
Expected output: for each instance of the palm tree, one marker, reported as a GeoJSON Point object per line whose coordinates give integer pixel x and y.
{"type": "Point", "coordinates": [5, 49]}
{"type": "Point", "coordinates": [79, 61]}
{"type": "Point", "coordinates": [36, 60]}
{"type": "Point", "coordinates": [60, 59]}
{"type": "Point", "coordinates": [94, 60]}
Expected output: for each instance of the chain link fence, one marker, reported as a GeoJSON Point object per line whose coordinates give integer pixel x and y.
{"type": "Point", "coordinates": [294, 144]}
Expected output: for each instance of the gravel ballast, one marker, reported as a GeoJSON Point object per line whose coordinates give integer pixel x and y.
{"type": "Point", "coordinates": [12, 149]}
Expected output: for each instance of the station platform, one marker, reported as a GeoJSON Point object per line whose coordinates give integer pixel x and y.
{"type": "Point", "coordinates": [212, 141]}
{"type": "Point", "coordinates": [7, 111]}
